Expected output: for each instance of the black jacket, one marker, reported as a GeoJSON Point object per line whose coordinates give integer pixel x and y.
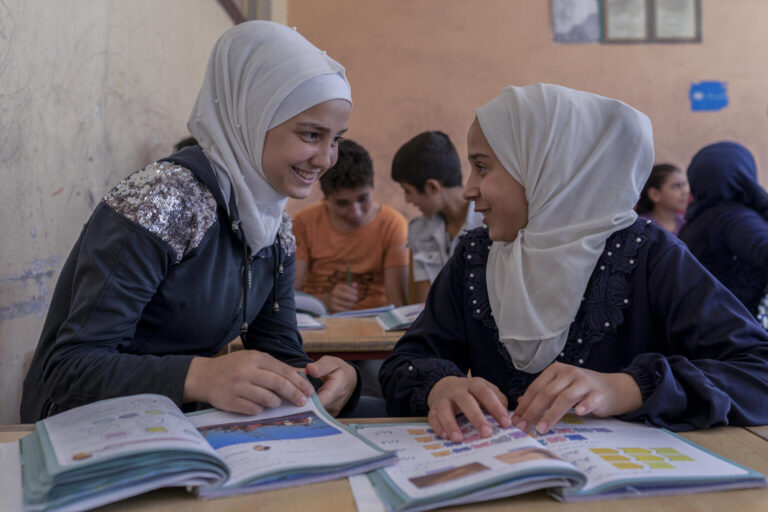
{"type": "Point", "coordinates": [155, 279]}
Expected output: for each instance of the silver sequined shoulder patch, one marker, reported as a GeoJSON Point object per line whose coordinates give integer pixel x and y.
{"type": "Point", "coordinates": [287, 240]}
{"type": "Point", "coordinates": [169, 201]}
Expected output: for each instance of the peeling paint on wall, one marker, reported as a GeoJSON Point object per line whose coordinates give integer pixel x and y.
{"type": "Point", "coordinates": [35, 279]}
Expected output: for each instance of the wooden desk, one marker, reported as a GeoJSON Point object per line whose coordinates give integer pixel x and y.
{"type": "Point", "coordinates": [351, 338]}
{"type": "Point", "coordinates": [347, 338]}
{"type": "Point", "coordinates": [761, 431]}
{"type": "Point", "coordinates": [738, 444]}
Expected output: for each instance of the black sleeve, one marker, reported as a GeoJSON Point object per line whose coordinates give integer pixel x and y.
{"type": "Point", "coordinates": [115, 269]}
{"type": "Point", "coordinates": [276, 332]}
{"type": "Point", "coordinates": [714, 366]}
{"type": "Point", "coordinates": [433, 347]}
{"type": "Point", "coordinates": [746, 236]}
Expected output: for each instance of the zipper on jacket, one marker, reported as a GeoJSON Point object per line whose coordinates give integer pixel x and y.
{"type": "Point", "coordinates": [278, 271]}
{"type": "Point", "coordinates": [246, 279]}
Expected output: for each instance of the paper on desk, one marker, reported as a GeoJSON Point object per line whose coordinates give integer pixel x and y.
{"type": "Point", "coordinates": [306, 322]}
{"type": "Point", "coordinates": [10, 476]}
{"type": "Point", "coordinates": [366, 498]}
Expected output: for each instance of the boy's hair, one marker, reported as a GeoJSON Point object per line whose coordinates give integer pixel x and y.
{"type": "Point", "coordinates": [658, 177]}
{"type": "Point", "coordinates": [429, 155]}
{"type": "Point", "coordinates": [353, 169]}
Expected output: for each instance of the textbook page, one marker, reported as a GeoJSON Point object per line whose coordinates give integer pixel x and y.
{"type": "Point", "coordinates": [615, 453]}
{"type": "Point", "coordinates": [280, 441]}
{"type": "Point", "coordinates": [120, 426]}
{"type": "Point", "coordinates": [432, 469]}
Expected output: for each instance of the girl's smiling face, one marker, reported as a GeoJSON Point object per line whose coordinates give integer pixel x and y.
{"type": "Point", "coordinates": [497, 195]}
{"type": "Point", "coordinates": [297, 152]}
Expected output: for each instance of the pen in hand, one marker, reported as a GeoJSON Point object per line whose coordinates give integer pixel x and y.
{"type": "Point", "coordinates": [349, 275]}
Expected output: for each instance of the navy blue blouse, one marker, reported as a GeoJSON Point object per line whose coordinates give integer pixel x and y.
{"type": "Point", "coordinates": [726, 223]}
{"type": "Point", "coordinates": [731, 241]}
{"type": "Point", "coordinates": [649, 310]}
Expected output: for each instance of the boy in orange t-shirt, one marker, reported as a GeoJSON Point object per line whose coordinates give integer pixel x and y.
{"type": "Point", "coordinates": [350, 251]}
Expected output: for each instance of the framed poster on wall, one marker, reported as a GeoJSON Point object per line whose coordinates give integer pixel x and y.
{"type": "Point", "coordinates": [625, 21]}
{"type": "Point", "coordinates": [676, 20]}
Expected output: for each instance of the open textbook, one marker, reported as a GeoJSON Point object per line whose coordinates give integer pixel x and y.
{"type": "Point", "coordinates": [578, 459]}
{"type": "Point", "coordinates": [110, 450]}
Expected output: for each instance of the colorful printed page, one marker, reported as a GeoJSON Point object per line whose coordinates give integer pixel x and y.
{"type": "Point", "coordinates": [433, 470]}
{"type": "Point", "coordinates": [629, 457]}
{"type": "Point", "coordinates": [113, 428]}
{"type": "Point", "coordinates": [285, 441]}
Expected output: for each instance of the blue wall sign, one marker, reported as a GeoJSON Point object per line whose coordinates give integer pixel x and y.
{"type": "Point", "coordinates": [708, 96]}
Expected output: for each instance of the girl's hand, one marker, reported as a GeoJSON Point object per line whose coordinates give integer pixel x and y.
{"type": "Point", "coordinates": [561, 387]}
{"type": "Point", "coordinates": [469, 395]}
{"type": "Point", "coordinates": [339, 382]}
{"type": "Point", "coordinates": [246, 381]}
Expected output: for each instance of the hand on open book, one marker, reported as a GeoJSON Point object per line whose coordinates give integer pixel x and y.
{"type": "Point", "coordinates": [562, 386]}
{"type": "Point", "coordinates": [339, 382]}
{"type": "Point", "coordinates": [469, 395]}
{"type": "Point", "coordinates": [246, 381]}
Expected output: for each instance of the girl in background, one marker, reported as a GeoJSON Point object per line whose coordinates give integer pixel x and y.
{"type": "Point", "coordinates": [664, 196]}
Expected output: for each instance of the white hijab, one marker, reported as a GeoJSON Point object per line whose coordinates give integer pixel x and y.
{"type": "Point", "coordinates": [260, 74]}
{"type": "Point", "coordinates": [583, 160]}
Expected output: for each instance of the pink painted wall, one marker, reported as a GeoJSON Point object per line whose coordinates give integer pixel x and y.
{"type": "Point", "coordinates": [416, 65]}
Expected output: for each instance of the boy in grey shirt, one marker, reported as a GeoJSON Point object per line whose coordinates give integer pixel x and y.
{"type": "Point", "coordinates": [428, 169]}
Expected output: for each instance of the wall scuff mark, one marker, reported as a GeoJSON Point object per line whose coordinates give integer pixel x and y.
{"type": "Point", "coordinates": [37, 276]}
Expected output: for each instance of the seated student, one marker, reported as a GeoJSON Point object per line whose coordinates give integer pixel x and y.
{"type": "Point", "coordinates": [350, 251]}
{"type": "Point", "coordinates": [428, 169]}
{"type": "Point", "coordinates": [566, 299]}
{"type": "Point", "coordinates": [726, 222]}
{"type": "Point", "coordinates": [664, 196]}
{"type": "Point", "coordinates": [183, 255]}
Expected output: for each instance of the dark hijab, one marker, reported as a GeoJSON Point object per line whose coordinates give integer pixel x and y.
{"type": "Point", "coordinates": [724, 172]}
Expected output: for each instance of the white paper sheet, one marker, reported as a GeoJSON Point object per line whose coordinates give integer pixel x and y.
{"type": "Point", "coordinates": [10, 477]}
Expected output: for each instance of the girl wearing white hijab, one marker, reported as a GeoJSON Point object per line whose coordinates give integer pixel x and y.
{"type": "Point", "coordinates": [186, 253]}
{"type": "Point", "coordinates": [565, 299]}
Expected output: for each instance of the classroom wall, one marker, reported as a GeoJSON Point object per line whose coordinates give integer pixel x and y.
{"type": "Point", "coordinates": [89, 91]}
{"type": "Point", "coordinates": [419, 65]}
